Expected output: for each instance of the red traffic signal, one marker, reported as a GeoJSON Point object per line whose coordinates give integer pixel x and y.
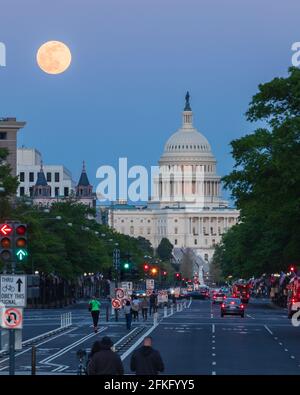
{"type": "Point", "coordinates": [5, 243]}
{"type": "Point", "coordinates": [165, 273]}
{"type": "Point", "coordinates": [293, 268]}
{"type": "Point", "coordinates": [5, 229]}
{"type": "Point", "coordinates": [21, 230]}
{"type": "Point", "coordinates": [146, 267]}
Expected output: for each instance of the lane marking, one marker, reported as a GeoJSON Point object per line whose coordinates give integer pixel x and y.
{"type": "Point", "coordinates": [292, 356]}
{"type": "Point", "coordinates": [213, 328]}
{"type": "Point", "coordinates": [213, 373]}
{"type": "Point", "coordinates": [70, 346]}
{"type": "Point", "coordinates": [139, 341]}
{"type": "Point", "coordinates": [214, 363]}
{"type": "Point", "coordinates": [269, 330]}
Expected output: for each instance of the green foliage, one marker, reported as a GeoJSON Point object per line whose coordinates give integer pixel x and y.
{"type": "Point", "coordinates": [67, 241]}
{"type": "Point", "coordinates": [164, 250]}
{"type": "Point", "coordinates": [265, 184]}
{"type": "Point", "coordinates": [9, 183]}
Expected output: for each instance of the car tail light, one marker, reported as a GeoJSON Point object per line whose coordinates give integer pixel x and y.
{"type": "Point", "coordinates": [242, 306]}
{"type": "Point", "coordinates": [224, 297]}
{"type": "Point", "coordinates": [248, 296]}
{"type": "Point", "coordinates": [293, 300]}
{"type": "Point", "coordinates": [222, 305]}
{"type": "Point", "coordinates": [215, 297]}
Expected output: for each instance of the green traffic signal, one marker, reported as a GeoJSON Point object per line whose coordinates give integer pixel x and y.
{"type": "Point", "coordinates": [126, 265]}
{"type": "Point", "coordinates": [21, 254]}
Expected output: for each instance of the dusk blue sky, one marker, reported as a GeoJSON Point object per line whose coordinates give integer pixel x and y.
{"type": "Point", "coordinates": [133, 61]}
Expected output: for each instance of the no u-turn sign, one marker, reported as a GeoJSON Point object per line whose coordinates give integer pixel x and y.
{"type": "Point", "coordinates": [12, 318]}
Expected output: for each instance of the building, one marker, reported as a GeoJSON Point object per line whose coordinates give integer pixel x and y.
{"type": "Point", "coordinates": [46, 184]}
{"type": "Point", "coordinates": [58, 177]}
{"type": "Point", "coordinates": [187, 206]}
{"type": "Point", "coordinates": [9, 128]}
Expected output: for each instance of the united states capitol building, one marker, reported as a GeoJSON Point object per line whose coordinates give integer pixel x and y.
{"type": "Point", "coordinates": [186, 206]}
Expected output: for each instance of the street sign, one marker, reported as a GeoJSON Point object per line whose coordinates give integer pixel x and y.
{"type": "Point", "coordinates": [150, 284]}
{"type": "Point", "coordinates": [13, 290]}
{"type": "Point", "coordinates": [5, 229]}
{"type": "Point", "coordinates": [116, 303]}
{"type": "Point", "coordinates": [120, 293]}
{"type": "Point", "coordinates": [12, 318]}
{"type": "Point", "coordinates": [177, 292]}
{"type": "Point", "coordinates": [162, 296]}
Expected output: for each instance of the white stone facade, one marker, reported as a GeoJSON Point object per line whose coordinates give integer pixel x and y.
{"type": "Point", "coordinates": [58, 177]}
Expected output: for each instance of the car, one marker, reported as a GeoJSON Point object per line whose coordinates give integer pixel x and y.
{"type": "Point", "coordinates": [204, 291]}
{"type": "Point", "coordinates": [218, 297]}
{"type": "Point", "coordinates": [194, 295]}
{"type": "Point", "coordinates": [232, 306]}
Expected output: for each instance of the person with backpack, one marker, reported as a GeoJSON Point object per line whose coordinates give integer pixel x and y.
{"type": "Point", "coordinates": [128, 314]}
{"type": "Point", "coordinates": [146, 360]}
{"type": "Point", "coordinates": [105, 361]}
{"type": "Point", "coordinates": [94, 308]}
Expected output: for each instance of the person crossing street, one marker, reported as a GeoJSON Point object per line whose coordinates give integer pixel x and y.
{"type": "Point", "coordinates": [94, 308]}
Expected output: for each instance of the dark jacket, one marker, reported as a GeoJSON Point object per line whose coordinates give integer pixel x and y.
{"type": "Point", "coordinates": [105, 361]}
{"type": "Point", "coordinates": [146, 360]}
{"type": "Point", "coordinates": [153, 299]}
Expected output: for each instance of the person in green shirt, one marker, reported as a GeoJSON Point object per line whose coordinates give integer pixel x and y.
{"type": "Point", "coordinates": [94, 308]}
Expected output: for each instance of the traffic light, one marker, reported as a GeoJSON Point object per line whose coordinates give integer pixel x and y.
{"type": "Point", "coordinates": [154, 271]}
{"type": "Point", "coordinates": [21, 242]}
{"type": "Point", "coordinates": [164, 273]}
{"type": "Point", "coordinates": [6, 245]}
{"type": "Point", "coordinates": [177, 276]}
{"type": "Point", "coordinates": [293, 269]}
{"type": "Point", "coordinates": [126, 265]}
{"type": "Point", "coordinates": [146, 267]}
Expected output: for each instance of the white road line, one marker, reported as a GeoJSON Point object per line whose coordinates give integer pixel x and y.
{"type": "Point", "coordinates": [292, 356]}
{"type": "Point", "coordinates": [139, 341]}
{"type": "Point", "coordinates": [213, 328]}
{"type": "Point", "coordinates": [213, 348]}
{"type": "Point", "coordinates": [269, 330]}
{"type": "Point", "coordinates": [250, 316]}
{"type": "Point", "coordinates": [213, 373]}
{"type": "Point", "coordinates": [70, 346]}
{"type": "Point", "coordinates": [280, 344]}
{"type": "Point", "coordinates": [39, 344]}
{"type": "Point", "coordinates": [286, 349]}
{"type": "Point", "coordinates": [214, 363]}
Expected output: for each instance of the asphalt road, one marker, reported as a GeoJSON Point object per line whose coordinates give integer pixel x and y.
{"type": "Point", "coordinates": [193, 341]}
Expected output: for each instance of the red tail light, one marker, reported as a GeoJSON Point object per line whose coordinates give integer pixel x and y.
{"type": "Point", "coordinates": [248, 296]}
{"type": "Point", "coordinates": [215, 297]}
{"type": "Point", "coordinates": [242, 306]}
{"type": "Point", "coordinates": [293, 300]}
{"type": "Point", "coordinates": [222, 305]}
{"type": "Point", "coordinates": [224, 297]}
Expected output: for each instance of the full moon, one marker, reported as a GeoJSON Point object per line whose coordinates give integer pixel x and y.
{"type": "Point", "coordinates": [54, 57]}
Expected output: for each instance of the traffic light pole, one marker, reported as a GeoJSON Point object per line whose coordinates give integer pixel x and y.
{"type": "Point", "coordinates": [11, 352]}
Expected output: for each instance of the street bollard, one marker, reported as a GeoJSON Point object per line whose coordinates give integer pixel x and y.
{"type": "Point", "coordinates": [165, 311]}
{"type": "Point", "coordinates": [184, 304]}
{"type": "Point", "coordinates": [177, 307]}
{"type": "Point", "coordinates": [172, 310]}
{"type": "Point", "coordinates": [116, 314]}
{"type": "Point", "coordinates": [107, 313]}
{"type": "Point", "coordinates": [155, 318]}
{"type": "Point", "coordinates": [33, 361]}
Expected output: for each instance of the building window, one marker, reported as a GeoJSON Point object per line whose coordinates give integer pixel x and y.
{"type": "Point", "coordinates": [3, 135]}
{"type": "Point", "coordinates": [22, 176]}
{"type": "Point", "coordinates": [148, 231]}
{"type": "Point", "coordinates": [49, 178]}
{"type": "Point", "coordinates": [195, 242]}
{"type": "Point", "coordinates": [122, 220]}
{"type": "Point", "coordinates": [175, 241]}
{"type": "Point", "coordinates": [206, 257]}
{"type": "Point", "coordinates": [66, 191]}
{"type": "Point", "coordinates": [175, 220]}
{"type": "Point", "coordinates": [56, 191]}
{"type": "Point", "coordinates": [149, 221]}
{"type": "Point", "coordinates": [131, 230]}
{"type": "Point", "coordinates": [30, 191]}
{"type": "Point", "coordinates": [31, 177]}
{"type": "Point", "coordinates": [213, 242]}
{"type": "Point", "coordinates": [56, 177]}
{"type": "Point", "coordinates": [22, 191]}
{"type": "Point", "coordinates": [176, 231]}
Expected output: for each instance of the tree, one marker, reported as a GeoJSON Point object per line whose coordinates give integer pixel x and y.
{"type": "Point", "coordinates": [9, 184]}
{"type": "Point", "coordinates": [265, 183]}
{"type": "Point", "coordinates": [164, 250]}
{"type": "Point", "coordinates": [187, 263]}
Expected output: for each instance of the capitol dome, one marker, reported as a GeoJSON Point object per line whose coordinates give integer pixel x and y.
{"type": "Point", "coordinates": [187, 144]}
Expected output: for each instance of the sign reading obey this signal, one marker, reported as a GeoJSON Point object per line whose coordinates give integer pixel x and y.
{"type": "Point", "coordinates": [13, 290]}
{"type": "Point", "coordinates": [12, 318]}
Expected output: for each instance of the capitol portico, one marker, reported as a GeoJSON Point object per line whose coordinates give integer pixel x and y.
{"type": "Point", "coordinates": [186, 206]}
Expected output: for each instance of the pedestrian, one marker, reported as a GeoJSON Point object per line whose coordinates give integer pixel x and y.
{"type": "Point", "coordinates": [128, 314]}
{"type": "Point", "coordinates": [146, 360]}
{"type": "Point", "coordinates": [135, 307]}
{"type": "Point", "coordinates": [144, 306]}
{"type": "Point", "coordinates": [153, 303]}
{"type": "Point", "coordinates": [94, 308]}
{"type": "Point", "coordinates": [95, 348]}
{"type": "Point", "coordinates": [105, 361]}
